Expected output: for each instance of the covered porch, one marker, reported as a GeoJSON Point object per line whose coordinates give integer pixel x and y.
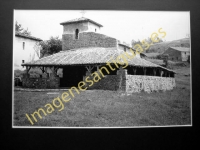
{"type": "Point", "coordinates": [67, 68]}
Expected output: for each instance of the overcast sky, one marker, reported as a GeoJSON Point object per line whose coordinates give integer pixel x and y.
{"type": "Point", "coordinates": [122, 25]}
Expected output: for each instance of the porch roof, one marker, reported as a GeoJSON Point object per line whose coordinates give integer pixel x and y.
{"type": "Point", "coordinates": [88, 56]}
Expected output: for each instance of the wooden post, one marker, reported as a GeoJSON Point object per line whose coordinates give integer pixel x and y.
{"type": "Point", "coordinates": [144, 69]}
{"type": "Point", "coordinates": [53, 71]}
{"type": "Point", "coordinates": [164, 73]}
{"type": "Point", "coordinates": [27, 70]}
{"type": "Point", "coordinates": [154, 71]}
{"type": "Point", "coordinates": [42, 68]}
{"type": "Point", "coordinates": [47, 72]}
{"type": "Point", "coordinates": [97, 67]}
{"type": "Point", "coordinates": [160, 71]}
{"type": "Point", "coordinates": [89, 69]}
{"type": "Point", "coordinates": [134, 70]}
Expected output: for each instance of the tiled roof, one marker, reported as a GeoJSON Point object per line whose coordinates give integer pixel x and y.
{"type": "Point", "coordinates": [85, 56]}
{"type": "Point", "coordinates": [82, 19]}
{"type": "Point", "coordinates": [27, 36]}
{"type": "Point", "coordinates": [182, 49]}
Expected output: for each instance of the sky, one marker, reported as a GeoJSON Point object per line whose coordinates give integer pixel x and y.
{"type": "Point", "coordinates": [122, 25]}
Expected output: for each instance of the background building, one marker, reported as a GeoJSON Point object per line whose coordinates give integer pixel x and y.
{"type": "Point", "coordinates": [178, 53]}
{"type": "Point", "coordinates": [25, 50]}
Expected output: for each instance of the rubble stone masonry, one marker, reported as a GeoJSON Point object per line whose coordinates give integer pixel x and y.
{"type": "Point", "coordinates": [87, 39]}
{"type": "Point", "coordinates": [41, 83]}
{"type": "Point", "coordinates": [111, 82]}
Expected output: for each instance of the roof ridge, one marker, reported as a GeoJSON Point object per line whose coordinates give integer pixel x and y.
{"type": "Point", "coordinates": [79, 20]}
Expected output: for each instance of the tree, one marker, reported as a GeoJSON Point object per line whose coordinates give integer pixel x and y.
{"type": "Point", "coordinates": [146, 43]}
{"type": "Point", "coordinates": [133, 43]}
{"type": "Point", "coordinates": [51, 46]}
{"type": "Point", "coordinates": [18, 28]}
{"type": "Point", "coordinates": [26, 32]}
{"type": "Point", "coordinates": [160, 40]}
{"type": "Point", "coordinates": [149, 41]}
{"type": "Point", "coordinates": [125, 43]}
{"type": "Point", "coordinates": [37, 49]}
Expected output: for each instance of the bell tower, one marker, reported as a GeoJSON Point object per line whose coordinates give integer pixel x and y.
{"type": "Point", "coordinates": [80, 25]}
{"type": "Point", "coordinates": [84, 32]}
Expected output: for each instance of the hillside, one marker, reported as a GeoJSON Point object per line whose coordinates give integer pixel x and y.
{"type": "Point", "coordinates": [161, 47]}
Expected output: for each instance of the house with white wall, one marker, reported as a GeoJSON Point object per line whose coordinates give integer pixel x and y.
{"type": "Point", "coordinates": [25, 50]}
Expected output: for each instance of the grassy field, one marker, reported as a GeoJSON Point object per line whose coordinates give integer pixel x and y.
{"type": "Point", "coordinates": [98, 108]}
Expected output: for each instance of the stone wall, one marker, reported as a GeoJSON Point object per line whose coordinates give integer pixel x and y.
{"type": "Point", "coordinates": [110, 82]}
{"type": "Point", "coordinates": [137, 83]}
{"type": "Point", "coordinates": [120, 81]}
{"type": "Point", "coordinates": [87, 39]}
{"type": "Point", "coordinates": [174, 55]}
{"type": "Point", "coordinates": [41, 83]}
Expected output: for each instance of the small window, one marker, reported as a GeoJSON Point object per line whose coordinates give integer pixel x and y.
{"type": "Point", "coordinates": [23, 61]}
{"type": "Point", "coordinates": [76, 33]}
{"type": "Point", "coordinates": [185, 53]}
{"type": "Point", "coordinates": [95, 30]}
{"type": "Point", "coordinates": [23, 45]}
{"type": "Point", "coordinates": [124, 48]}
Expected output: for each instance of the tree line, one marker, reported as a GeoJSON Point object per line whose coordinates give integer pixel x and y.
{"type": "Point", "coordinates": [148, 41]}
{"type": "Point", "coordinates": [20, 29]}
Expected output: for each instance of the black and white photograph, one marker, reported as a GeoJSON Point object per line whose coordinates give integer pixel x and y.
{"type": "Point", "coordinates": [101, 69]}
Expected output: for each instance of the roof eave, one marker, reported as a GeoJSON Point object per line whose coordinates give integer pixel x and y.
{"type": "Point", "coordinates": [64, 23]}
{"type": "Point", "coordinates": [33, 38]}
{"type": "Point", "coordinates": [27, 64]}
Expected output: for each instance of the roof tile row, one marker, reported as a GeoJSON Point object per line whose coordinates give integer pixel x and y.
{"type": "Point", "coordinates": [91, 55]}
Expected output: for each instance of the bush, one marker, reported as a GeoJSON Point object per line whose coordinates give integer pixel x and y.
{"type": "Point", "coordinates": [18, 81]}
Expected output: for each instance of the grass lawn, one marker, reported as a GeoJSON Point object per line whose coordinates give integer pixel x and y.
{"type": "Point", "coordinates": [98, 108]}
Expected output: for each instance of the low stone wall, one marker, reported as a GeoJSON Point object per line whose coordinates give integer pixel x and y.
{"type": "Point", "coordinates": [122, 81]}
{"type": "Point", "coordinates": [137, 83]}
{"type": "Point", "coordinates": [41, 83]}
